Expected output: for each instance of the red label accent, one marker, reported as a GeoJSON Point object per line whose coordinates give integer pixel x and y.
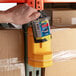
{"type": "Point", "coordinates": [45, 25]}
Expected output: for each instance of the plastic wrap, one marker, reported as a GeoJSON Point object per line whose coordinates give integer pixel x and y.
{"type": "Point", "coordinates": [11, 52]}
{"type": "Point", "coordinates": [11, 67]}
{"type": "Point", "coordinates": [64, 55]}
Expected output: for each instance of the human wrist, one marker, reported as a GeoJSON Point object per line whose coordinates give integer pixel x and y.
{"type": "Point", "coordinates": [5, 17]}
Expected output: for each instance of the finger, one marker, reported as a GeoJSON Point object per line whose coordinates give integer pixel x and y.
{"type": "Point", "coordinates": [34, 16]}
{"type": "Point", "coordinates": [30, 11]}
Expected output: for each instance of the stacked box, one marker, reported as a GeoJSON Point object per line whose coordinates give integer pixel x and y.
{"type": "Point", "coordinates": [12, 53]}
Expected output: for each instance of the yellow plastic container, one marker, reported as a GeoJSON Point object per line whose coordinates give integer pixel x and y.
{"type": "Point", "coordinates": [39, 54]}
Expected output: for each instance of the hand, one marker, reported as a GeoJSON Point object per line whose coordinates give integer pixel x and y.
{"type": "Point", "coordinates": [22, 14]}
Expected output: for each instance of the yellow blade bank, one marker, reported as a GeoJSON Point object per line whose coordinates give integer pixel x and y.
{"type": "Point", "coordinates": [38, 44]}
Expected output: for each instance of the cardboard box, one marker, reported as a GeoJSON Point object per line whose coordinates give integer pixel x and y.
{"type": "Point", "coordinates": [63, 17]}
{"type": "Point", "coordinates": [67, 68]}
{"type": "Point", "coordinates": [63, 39]}
{"type": "Point", "coordinates": [12, 53]}
{"type": "Point", "coordinates": [11, 44]}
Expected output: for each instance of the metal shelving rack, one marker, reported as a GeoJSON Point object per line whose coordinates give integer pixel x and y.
{"type": "Point", "coordinates": [39, 5]}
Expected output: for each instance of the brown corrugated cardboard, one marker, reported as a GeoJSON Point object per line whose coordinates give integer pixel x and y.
{"type": "Point", "coordinates": [67, 68]}
{"type": "Point", "coordinates": [11, 44]}
{"type": "Point", "coordinates": [63, 17]}
{"type": "Point", "coordinates": [63, 39]}
{"type": "Point", "coordinates": [11, 53]}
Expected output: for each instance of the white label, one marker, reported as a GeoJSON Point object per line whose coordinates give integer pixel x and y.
{"type": "Point", "coordinates": [73, 20]}
{"type": "Point", "coordinates": [6, 6]}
